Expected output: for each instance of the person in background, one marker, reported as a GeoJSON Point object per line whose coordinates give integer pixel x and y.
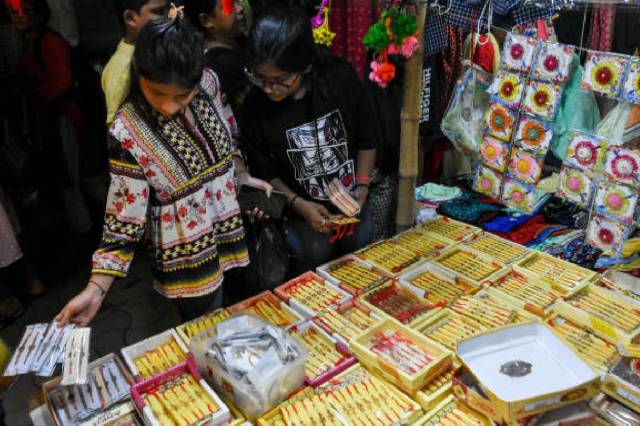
{"type": "Point", "coordinates": [174, 166]}
{"type": "Point", "coordinates": [223, 32]}
{"type": "Point", "coordinates": [305, 123]}
{"type": "Point", "coordinates": [116, 76]}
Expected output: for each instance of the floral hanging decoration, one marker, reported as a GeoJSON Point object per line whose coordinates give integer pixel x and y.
{"type": "Point", "coordinates": [575, 186]}
{"type": "Point", "coordinates": [585, 151]}
{"type": "Point", "coordinates": [393, 34]}
{"type": "Point", "coordinates": [322, 34]}
{"type": "Point", "coordinates": [603, 73]}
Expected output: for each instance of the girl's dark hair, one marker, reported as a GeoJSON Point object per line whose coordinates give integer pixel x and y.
{"type": "Point", "coordinates": [41, 9]}
{"type": "Point", "coordinates": [169, 52]}
{"type": "Point", "coordinates": [195, 8]}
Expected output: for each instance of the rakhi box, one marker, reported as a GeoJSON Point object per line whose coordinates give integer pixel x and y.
{"type": "Point", "coordinates": [400, 355]}
{"type": "Point", "coordinates": [274, 417]}
{"type": "Point", "coordinates": [490, 310]}
{"type": "Point", "coordinates": [362, 378]}
{"type": "Point", "coordinates": [156, 354]}
{"type": "Point", "coordinates": [436, 285]}
{"type": "Point", "coordinates": [393, 301]}
{"type": "Point", "coordinates": [220, 417]}
{"type": "Point", "coordinates": [237, 416]}
{"type": "Point", "coordinates": [347, 321]}
{"type": "Point", "coordinates": [525, 293]}
{"type": "Point", "coordinates": [435, 391]}
{"type": "Point", "coordinates": [352, 275]}
{"type": "Point", "coordinates": [309, 295]}
{"type": "Point", "coordinates": [610, 316]}
{"type": "Point", "coordinates": [497, 248]}
{"type": "Point", "coordinates": [525, 369]}
{"type": "Point", "coordinates": [469, 266]}
{"type": "Point", "coordinates": [269, 307]}
{"type": "Point", "coordinates": [450, 411]}
{"type": "Point", "coordinates": [555, 272]}
{"type": "Point", "coordinates": [448, 328]}
{"type": "Point", "coordinates": [623, 382]}
{"type": "Point", "coordinates": [449, 228]}
{"type": "Point", "coordinates": [120, 410]}
{"type": "Point", "coordinates": [196, 326]}
{"type": "Point", "coordinates": [390, 257]}
{"type": "Point", "coordinates": [622, 283]}
{"type": "Point", "coordinates": [598, 353]}
{"type": "Point", "coordinates": [423, 243]}
{"type": "Point", "coordinates": [326, 357]}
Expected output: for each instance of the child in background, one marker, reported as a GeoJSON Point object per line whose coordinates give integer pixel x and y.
{"type": "Point", "coordinates": [223, 32]}
{"type": "Point", "coordinates": [116, 75]}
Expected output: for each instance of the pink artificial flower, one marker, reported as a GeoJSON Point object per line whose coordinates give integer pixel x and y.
{"type": "Point", "coordinates": [409, 46]}
{"type": "Point", "coordinates": [382, 73]}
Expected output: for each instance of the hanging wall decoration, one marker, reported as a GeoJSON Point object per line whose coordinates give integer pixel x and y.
{"type": "Point", "coordinates": [603, 73]}
{"type": "Point", "coordinates": [553, 62]}
{"type": "Point", "coordinates": [518, 52]}
{"type": "Point", "coordinates": [533, 134]}
{"type": "Point", "coordinates": [393, 34]}
{"type": "Point", "coordinates": [631, 87]}
{"type": "Point", "coordinates": [322, 34]}
{"type": "Point", "coordinates": [575, 186]}
{"type": "Point", "coordinates": [585, 151]}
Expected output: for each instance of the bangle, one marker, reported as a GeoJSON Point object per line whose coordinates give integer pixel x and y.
{"type": "Point", "coordinates": [364, 180]}
{"type": "Point", "coordinates": [293, 200]}
{"type": "Point", "coordinates": [104, 292]}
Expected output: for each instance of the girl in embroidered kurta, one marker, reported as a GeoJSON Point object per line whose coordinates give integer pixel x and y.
{"type": "Point", "coordinates": [172, 155]}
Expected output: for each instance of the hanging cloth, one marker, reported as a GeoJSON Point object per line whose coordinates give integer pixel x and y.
{"type": "Point", "coordinates": [602, 21]}
{"type": "Point", "coordinates": [351, 20]}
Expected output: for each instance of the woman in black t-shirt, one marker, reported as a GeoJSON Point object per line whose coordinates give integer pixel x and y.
{"type": "Point", "coordinates": [307, 121]}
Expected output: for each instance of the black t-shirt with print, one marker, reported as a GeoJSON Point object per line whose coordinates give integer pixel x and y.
{"type": "Point", "coordinates": [280, 137]}
{"type": "Point", "coordinates": [228, 64]}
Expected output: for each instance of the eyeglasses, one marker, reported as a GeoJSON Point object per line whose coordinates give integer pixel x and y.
{"type": "Point", "coordinates": [277, 85]}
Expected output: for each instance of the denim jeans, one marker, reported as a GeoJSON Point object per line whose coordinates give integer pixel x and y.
{"type": "Point", "coordinates": [311, 248]}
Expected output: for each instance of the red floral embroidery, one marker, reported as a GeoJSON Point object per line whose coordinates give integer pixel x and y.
{"type": "Point", "coordinates": [130, 198]}
{"type": "Point", "coordinates": [207, 194]}
{"type": "Point", "coordinates": [144, 161]}
{"type": "Point", "coordinates": [192, 224]}
{"type": "Point", "coordinates": [167, 218]}
{"type": "Point", "coordinates": [145, 193]}
{"type": "Point", "coordinates": [202, 210]}
{"type": "Point", "coordinates": [230, 185]}
{"type": "Point", "coordinates": [219, 195]}
{"type": "Point", "coordinates": [150, 173]}
{"type": "Point", "coordinates": [119, 206]}
{"type": "Point", "coordinates": [127, 144]}
{"type": "Point", "coordinates": [182, 211]}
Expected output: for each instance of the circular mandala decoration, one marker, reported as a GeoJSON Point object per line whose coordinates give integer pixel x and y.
{"type": "Point", "coordinates": [624, 166]}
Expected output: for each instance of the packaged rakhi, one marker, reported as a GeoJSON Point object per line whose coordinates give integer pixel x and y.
{"type": "Point", "coordinates": [268, 306]}
{"type": "Point", "coordinates": [616, 201]}
{"type": "Point", "coordinates": [500, 121]}
{"type": "Point", "coordinates": [309, 295]}
{"type": "Point", "coordinates": [437, 287]}
{"type": "Point", "coordinates": [194, 327]}
{"type": "Point", "coordinates": [585, 151]}
{"type": "Point", "coordinates": [603, 73]}
{"type": "Point", "coordinates": [390, 256]}
{"type": "Point", "coordinates": [494, 153]}
{"type": "Point", "coordinates": [452, 412]}
{"type": "Point", "coordinates": [607, 235]}
{"type": "Point", "coordinates": [507, 88]}
{"type": "Point", "coordinates": [526, 294]}
{"type": "Point", "coordinates": [518, 52]}
{"type": "Point", "coordinates": [397, 302]}
{"type": "Point", "coordinates": [449, 228]}
{"type": "Point", "coordinates": [422, 243]}
{"type": "Point", "coordinates": [622, 165]}
{"type": "Point", "coordinates": [576, 186]}
{"type": "Point", "coordinates": [448, 328]}
{"type": "Point", "coordinates": [533, 134]}
{"type": "Point", "coordinates": [435, 391]}
{"type": "Point", "coordinates": [555, 272]}
{"type": "Point", "coordinates": [500, 249]}
{"type": "Point", "coordinates": [351, 275]}
{"type": "Point", "coordinates": [553, 62]}
{"type": "Point", "coordinates": [155, 354]}
{"type": "Point", "coordinates": [468, 265]}
{"type": "Point", "coordinates": [542, 99]}
{"type": "Point", "coordinates": [347, 321]}
{"type": "Point", "coordinates": [631, 87]}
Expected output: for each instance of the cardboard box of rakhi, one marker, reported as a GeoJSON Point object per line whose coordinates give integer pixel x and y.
{"type": "Point", "coordinates": [612, 412]}
{"type": "Point", "coordinates": [437, 286]}
{"type": "Point", "coordinates": [497, 248]}
{"type": "Point", "coordinates": [347, 321]}
{"type": "Point", "coordinates": [269, 307]}
{"type": "Point", "coordinates": [393, 301]}
{"type": "Point", "coordinates": [155, 354]}
{"type": "Point", "coordinates": [451, 412]}
{"type": "Point", "coordinates": [422, 243]}
{"type": "Point", "coordinates": [237, 416]}
{"type": "Point", "coordinates": [370, 397]}
{"type": "Point", "coordinates": [613, 317]}
{"type": "Point", "coordinates": [525, 293]}
{"type": "Point", "coordinates": [623, 382]}
{"type": "Point", "coordinates": [450, 228]}
{"type": "Point", "coordinates": [555, 272]}
{"type": "Point", "coordinates": [490, 310]}
{"type": "Point", "coordinates": [469, 266]}
{"type": "Point", "coordinates": [274, 417]}
{"type": "Point", "coordinates": [599, 354]}
{"type": "Point", "coordinates": [194, 327]}
{"type": "Point", "coordinates": [448, 328]}
{"type": "Point", "coordinates": [326, 357]}
{"type": "Point", "coordinates": [525, 369]}
{"type": "Point", "coordinates": [435, 391]}
{"type": "Point", "coordinates": [400, 355]}
{"type": "Point", "coordinates": [179, 396]}
{"type": "Point", "coordinates": [104, 400]}
{"type": "Point", "coordinates": [310, 294]}
{"type": "Point", "coordinates": [390, 257]}
{"type": "Point", "coordinates": [621, 282]}
{"type": "Point", "coordinates": [352, 275]}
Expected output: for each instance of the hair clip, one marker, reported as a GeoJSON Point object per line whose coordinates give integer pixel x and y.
{"type": "Point", "coordinates": [175, 12]}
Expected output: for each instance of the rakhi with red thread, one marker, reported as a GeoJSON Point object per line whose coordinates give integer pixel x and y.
{"type": "Point", "coordinates": [16, 5]}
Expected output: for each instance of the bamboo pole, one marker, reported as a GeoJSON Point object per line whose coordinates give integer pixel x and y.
{"type": "Point", "coordinates": [410, 129]}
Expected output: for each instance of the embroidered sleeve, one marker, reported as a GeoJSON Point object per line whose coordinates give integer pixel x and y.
{"type": "Point", "coordinates": [126, 209]}
{"type": "Point", "coordinates": [211, 85]}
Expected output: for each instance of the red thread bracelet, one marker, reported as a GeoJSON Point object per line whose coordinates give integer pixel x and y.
{"type": "Point", "coordinates": [365, 180]}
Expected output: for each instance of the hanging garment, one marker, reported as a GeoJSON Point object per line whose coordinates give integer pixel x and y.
{"type": "Point", "coordinates": [602, 22]}
{"type": "Point", "coordinates": [351, 20]}
{"type": "Point", "coordinates": [434, 37]}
